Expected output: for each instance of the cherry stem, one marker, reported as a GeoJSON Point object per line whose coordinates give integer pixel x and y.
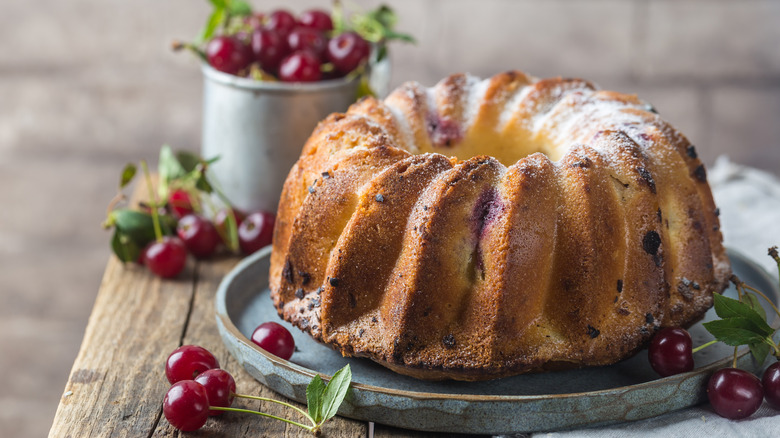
{"type": "Point", "coordinates": [119, 197]}
{"type": "Point", "coordinates": [703, 346]}
{"type": "Point", "coordinates": [734, 362]}
{"type": "Point", "coordinates": [180, 45]}
{"type": "Point", "coordinates": [232, 229]}
{"type": "Point", "coordinates": [249, 411]}
{"type": "Point", "coordinates": [773, 253]}
{"type": "Point", "coordinates": [252, 397]}
{"type": "Point", "coordinates": [152, 201]}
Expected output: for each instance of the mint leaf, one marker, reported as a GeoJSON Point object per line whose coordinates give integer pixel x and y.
{"type": "Point", "coordinates": [735, 331]}
{"type": "Point", "coordinates": [335, 392]}
{"type": "Point", "coordinates": [728, 308]}
{"type": "Point", "coordinates": [127, 175]}
{"type": "Point", "coordinates": [759, 351]}
{"type": "Point", "coordinates": [314, 398]}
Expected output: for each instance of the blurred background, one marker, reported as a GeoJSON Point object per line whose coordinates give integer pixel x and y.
{"type": "Point", "coordinates": [87, 85]}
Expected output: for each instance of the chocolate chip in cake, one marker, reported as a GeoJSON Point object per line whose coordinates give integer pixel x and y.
{"type": "Point", "coordinates": [287, 271]}
{"type": "Point", "coordinates": [660, 217]}
{"type": "Point", "coordinates": [379, 198]}
{"type": "Point", "coordinates": [691, 151]}
{"type": "Point", "coordinates": [311, 189]}
{"type": "Point", "coordinates": [717, 212]}
{"type": "Point", "coordinates": [360, 332]}
{"type": "Point", "coordinates": [647, 178]}
{"type": "Point", "coordinates": [305, 277]}
{"type": "Point", "coordinates": [593, 332]}
{"type": "Point", "coordinates": [373, 319]}
{"type": "Point", "coordinates": [620, 286]}
{"type": "Point", "coordinates": [649, 318]}
{"type": "Point", "coordinates": [325, 175]}
{"type": "Point", "coordinates": [299, 294]}
{"type": "Point", "coordinates": [700, 173]}
{"type": "Point", "coordinates": [651, 242]}
{"type": "Point", "coordinates": [333, 281]}
{"type": "Point", "coordinates": [449, 341]}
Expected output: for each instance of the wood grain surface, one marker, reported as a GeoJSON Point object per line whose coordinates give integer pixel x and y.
{"type": "Point", "coordinates": [117, 382]}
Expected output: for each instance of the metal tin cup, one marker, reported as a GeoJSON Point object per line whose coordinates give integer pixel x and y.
{"type": "Point", "coordinates": [258, 128]}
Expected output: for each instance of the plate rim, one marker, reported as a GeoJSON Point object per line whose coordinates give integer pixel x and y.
{"type": "Point", "coordinates": [224, 318]}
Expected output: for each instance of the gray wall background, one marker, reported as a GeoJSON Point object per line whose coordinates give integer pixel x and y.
{"type": "Point", "coordinates": [88, 85]}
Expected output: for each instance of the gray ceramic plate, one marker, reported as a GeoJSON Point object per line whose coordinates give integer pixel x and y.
{"type": "Point", "coordinates": [626, 391]}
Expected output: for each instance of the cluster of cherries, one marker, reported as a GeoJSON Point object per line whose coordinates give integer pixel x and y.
{"type": "Point", "coordinates": [733, 393]}
{"type": "Point", "coordinates": [201, 237]}
{"type": "Point", "coordinates": [289, 48]}
{"type": "Point", "coordinates": [200, 388]}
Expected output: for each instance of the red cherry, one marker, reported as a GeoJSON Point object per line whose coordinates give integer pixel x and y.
{"type": "Point", "coordinates": [305, 38]}
{"type": "Point", "coordinates": [347, 51]}
{"type": "Point", "coordinates": [186, 405]}
{"type": "Point", "coordinates": [281, 21]}
{"type": "Point", "coordinates": [256, 231]}
{"type": "Point", "coordinates": [166, 258]}
{"type": "Point", "coordinates": [220, 387]}
{"type": "Point", "coordinates": [180, 203]}
{"type": "Point", "coordinates": [228, 54]}
{"type": "Point", "coordinates": [187, 362]}
{"type": "Point", "coordinates": [275, 339]}
{"type": "Point", "coordinates": [269, 48]}
{"type": "Point", "coordinates": [670, 351]}
{"type": "Point", "coordinates": [734, 393]}
{"type": "Point", "coordinates": [316, 19]}
{"type": "Point", "coordinates": [771, 383]}
{"type": "Point", "coordinates": [199, 235]}
{"type": "Point", "coordinates": [302, 66]}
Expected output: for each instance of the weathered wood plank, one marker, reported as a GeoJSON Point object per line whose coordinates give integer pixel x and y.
{"type": "Point", "coordinates": [117, 381]}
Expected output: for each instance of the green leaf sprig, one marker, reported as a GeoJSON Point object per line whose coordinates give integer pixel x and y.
{"type": "Point", "coordinates": [323, 401]}
{"type": "Point", "coordinates": [135, 228]}
{"type": "Point", "coordinates": [743, 321]}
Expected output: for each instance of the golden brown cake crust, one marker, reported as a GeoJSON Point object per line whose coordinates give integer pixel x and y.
{"type": "Point", "coordinates": [485, 228]}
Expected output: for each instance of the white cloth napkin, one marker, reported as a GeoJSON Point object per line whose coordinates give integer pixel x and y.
{"type": "Point", "coordinates": [749, 202]}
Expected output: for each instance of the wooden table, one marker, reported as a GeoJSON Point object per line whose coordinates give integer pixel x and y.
{"type": "Point", "coordinates": [117, 382]}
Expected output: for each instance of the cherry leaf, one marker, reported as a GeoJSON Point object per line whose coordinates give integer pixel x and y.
{"type": "Point", "coordinates": [728, 308]}
{"type": "Point", "coordinates": [314, 392]}
{"type": "Point", "coordinates": [754, 303]}
{"type": "Point", "coordinates": [759, 350]}
{"type": "Point", "coordinates": [127, 175]}
{"type": "Point", "coordinates": [123, 246]}
{"type": "Point", "coordinates": [335, 392]}
{"type": "Point", "coordinates": [735, 331]}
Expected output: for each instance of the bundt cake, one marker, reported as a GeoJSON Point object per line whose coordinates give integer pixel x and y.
{"type": "Point", "coordinates": [485, 228]}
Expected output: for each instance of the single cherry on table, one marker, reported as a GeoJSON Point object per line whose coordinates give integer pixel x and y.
{"type": "Point", "coordinates": [670, 352]}
{"type": "Point", "coordinates": [734, 393]}
{"type": "Point", "coordinates": [220, 387]}
{"type": "Point", "coordinates": [186, 405]}
{"type": "Point", "coordinates": [199, 235]}
{"type": "Point", "coordinates": [187, 362]}
{"type": "Point", "coordinates": [166, 258]}
{"type": "Point", "coordinates": [275, 339]}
